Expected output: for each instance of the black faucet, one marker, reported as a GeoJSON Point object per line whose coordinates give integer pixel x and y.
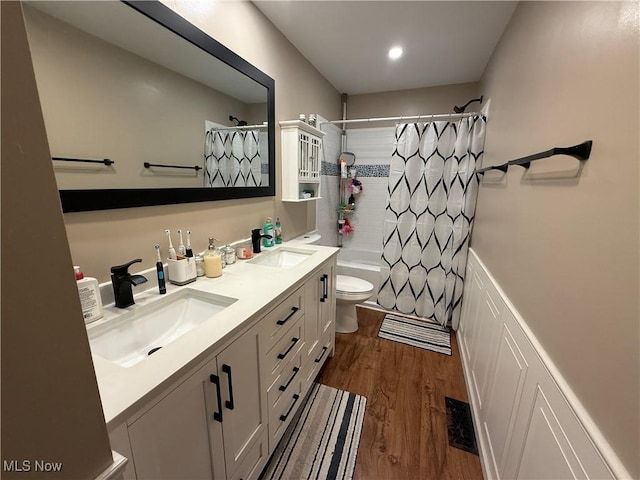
{"type": "Point", "coordinates": [255, 239]}
{"type": "Point", "coordinates": [122, 281]}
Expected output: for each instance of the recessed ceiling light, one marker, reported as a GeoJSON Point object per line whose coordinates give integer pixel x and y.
{"type": "Point", "coordinates": [395, 53]}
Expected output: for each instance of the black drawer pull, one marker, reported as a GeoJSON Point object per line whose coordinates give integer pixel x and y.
{"type": "Point", "coordinates": [229, 403]}
{"type": "Point", "coordinates": [293, 311]}
{"type": "Point", "coordinates": [216, 381]}
{"type": "Point", "coordinates": [294, 340]}
{"type": "Point", "coordinates": [286, 385]}
{"type": "Point", "coordinates": [295, 400]}
{"type": "Point", "coordinates": [324, 350]}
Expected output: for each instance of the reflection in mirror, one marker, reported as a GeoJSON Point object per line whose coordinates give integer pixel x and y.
{"type": "Point", "coordinates": [174, 121]}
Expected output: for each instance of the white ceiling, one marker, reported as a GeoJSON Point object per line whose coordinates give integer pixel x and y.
{"type": "Point", "coordinates": [347, 41]}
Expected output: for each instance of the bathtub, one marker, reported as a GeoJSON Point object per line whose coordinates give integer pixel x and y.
{"type": "Point", "coordinates": [362, 264]}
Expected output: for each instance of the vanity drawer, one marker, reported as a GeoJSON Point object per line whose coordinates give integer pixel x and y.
{"type": "Point", "coordinates": [283, 351]}
{"type": "Point", "coordinates": [278, 320]}
{"type": "Point", "coordinates": [285, 382]}
{"type": "Point", "coordinates": [280, 417]}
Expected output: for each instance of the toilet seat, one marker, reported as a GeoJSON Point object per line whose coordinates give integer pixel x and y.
{"type": "Point", "coordinates": [347, 286]}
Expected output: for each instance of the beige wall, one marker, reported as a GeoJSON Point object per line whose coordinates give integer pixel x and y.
{"type": "Point", "coordinates": [99, 240]}
{"type": "Point", "coordinates": [563, 243]}
{"type": "Point", "coordinates": [51, 408]}
{"type": "Point", "coordinates": [416, 101]}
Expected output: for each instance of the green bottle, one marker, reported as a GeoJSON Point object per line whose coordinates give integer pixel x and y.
{"type": "Point", "coordinates": [268, 230]}
{"type": "Point", "coordinates": [278, 231]}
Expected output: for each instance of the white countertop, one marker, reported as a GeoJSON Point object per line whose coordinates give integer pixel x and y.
{"type": "Point", "coordinates": [257, 288]}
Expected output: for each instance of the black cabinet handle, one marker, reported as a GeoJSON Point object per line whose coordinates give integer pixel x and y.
{"type": "Point", "coordinates": [325, 287]}
{"type": "Point", "coordinates": [294, 340]}
{"type": "Point", "coordinates": [293, 311]}
{"type": "Point", "coordinates": [324, 350]}
{"type": "Point", "coordinates": [295, 400]}
{"type": "Point", "coordinates": [322, 282]}
{"type": "Point", "coordinates": [228, 403]}
{"type": "Point", "coordinates": [286, 385]}
{"type": "Point", "coordinates": [216, 381]}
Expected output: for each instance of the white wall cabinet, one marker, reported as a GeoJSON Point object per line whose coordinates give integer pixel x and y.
{"type": "Point", "coordinates": [301, 161]}
{"type": "Point", "coordinates": [525, 424]}
{"type": "Point", "coordinates": [224, 417]}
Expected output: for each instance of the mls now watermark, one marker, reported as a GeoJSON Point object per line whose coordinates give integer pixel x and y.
{"type": "Point", "coordinates": [31, 466]}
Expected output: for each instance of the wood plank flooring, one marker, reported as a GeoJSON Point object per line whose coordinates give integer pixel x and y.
{"type": "Point", "coordinates": [404, 435]}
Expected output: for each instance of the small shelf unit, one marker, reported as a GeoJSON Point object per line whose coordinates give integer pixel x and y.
{"type": "Point", "coordinates": [301, 161]}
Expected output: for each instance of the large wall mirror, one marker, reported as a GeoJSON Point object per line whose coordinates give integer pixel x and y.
{"type": "Point", "coordinates": [142, 108]}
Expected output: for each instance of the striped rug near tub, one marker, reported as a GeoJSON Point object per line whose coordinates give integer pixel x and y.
{"type": "Point", "coordinates": [322, 440]}
{"type": "Point", "coordinates": [417, 333]}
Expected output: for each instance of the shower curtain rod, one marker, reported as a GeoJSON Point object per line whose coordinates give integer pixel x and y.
{"type": "Point", "coordinates": [405, 117]}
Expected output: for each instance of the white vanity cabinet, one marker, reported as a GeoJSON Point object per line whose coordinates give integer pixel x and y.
{"type": "Point", "coordinates": [211, 425]}
{"type": "Point", "coordinates": [226, 415]}
{"type": "Point", "coordinates": [301, 161]}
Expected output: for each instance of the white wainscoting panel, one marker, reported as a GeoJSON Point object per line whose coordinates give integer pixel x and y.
{"type": "Point", "coordinates": [525, 416]}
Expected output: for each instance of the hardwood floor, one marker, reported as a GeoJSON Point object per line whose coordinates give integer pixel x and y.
{"type": "Point", "coordinates": [404, 435]}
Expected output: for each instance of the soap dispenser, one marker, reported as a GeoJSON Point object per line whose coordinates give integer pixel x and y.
{"type": "Point", "coordinates": [212, 260]}
{"type": "Point", "coordinates": [268, 239]}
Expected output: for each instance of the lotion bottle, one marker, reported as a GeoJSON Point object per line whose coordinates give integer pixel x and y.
{"type": "Point", "coordinates": [90, 300]}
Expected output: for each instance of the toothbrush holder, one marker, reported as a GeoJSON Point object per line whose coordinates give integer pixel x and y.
{"type": "Point", "coordinates": [182, 271]}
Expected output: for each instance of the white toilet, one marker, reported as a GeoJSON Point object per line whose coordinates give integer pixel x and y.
{"type": "Point", "coordinates": [350, 291]}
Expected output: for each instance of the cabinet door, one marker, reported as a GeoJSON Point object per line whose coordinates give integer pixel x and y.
{"type": "Point", "coordinates": [172, 439]}
{"type": "Point", "coordinates": [244, 408]}
{"type": "Point", "coordinates": [320, 309]}
{"type": "Point", "coordinates": [313, 289]}
{"type": "Point", "coordinates": [328, 306]}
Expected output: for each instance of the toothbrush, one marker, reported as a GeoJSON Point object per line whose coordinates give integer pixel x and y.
{"type": "Point", "coordinates": [159, 268]}
{"type": "Point", "coordinates": [172, 252]}
{"type": "Point", "coordinates": [188, 251]}
{"type": "Point", "coordinates": [181, 249]}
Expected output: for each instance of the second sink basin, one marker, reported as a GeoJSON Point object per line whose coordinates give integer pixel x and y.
{"type": "Point", "coordinates": [135, 335]}
{"type": "Point", "coordinates": [283, 257]}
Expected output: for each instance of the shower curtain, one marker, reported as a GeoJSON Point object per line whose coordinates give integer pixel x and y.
{"type": "Point", "coordinates": [431, 200]}
{"type": "Point", "coordinates": [232, 158]}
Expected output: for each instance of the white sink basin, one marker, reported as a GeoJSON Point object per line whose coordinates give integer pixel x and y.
{"type": "Point", "coordinates": [283, 257]}
{"type": "Point", "coordinates": [131, 337]}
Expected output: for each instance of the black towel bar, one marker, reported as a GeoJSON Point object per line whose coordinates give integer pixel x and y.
{"type": "Point", "coordinates": [581, 151]}
{"type": "Point", "coordinates": [104, 161]}
{"type": "Point", "coordinates": [160, 165]}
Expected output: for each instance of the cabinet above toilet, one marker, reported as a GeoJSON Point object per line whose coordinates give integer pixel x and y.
{"type": "Point", "coordinates": [301, 161]}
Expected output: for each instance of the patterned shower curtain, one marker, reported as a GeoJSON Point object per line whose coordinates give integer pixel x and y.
{"type": "Point", "coordinates": [232, 158]}
{"type": "Point", "coordinates": [431, 200]}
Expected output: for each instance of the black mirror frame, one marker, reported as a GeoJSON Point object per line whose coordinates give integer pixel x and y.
{"type": "Point", "coordinates": [105, 199]}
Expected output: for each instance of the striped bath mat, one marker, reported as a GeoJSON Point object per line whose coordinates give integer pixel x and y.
{"type": "Point", "coordinates": [322, 440]}
{"type": "Point", "coordinates": [418, 333]}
